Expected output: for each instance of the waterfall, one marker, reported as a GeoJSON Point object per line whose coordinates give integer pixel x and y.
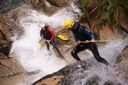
{"type": "Point", "coordinates": [35, 58]}
{"type": "Point", "coordinates": [27, 49]}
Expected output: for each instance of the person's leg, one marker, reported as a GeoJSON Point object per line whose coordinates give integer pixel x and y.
{"type": "Point", "coordinates": [53, 44]}
{"type": "Point", "coordinates": [80, 47]}
{"type": "Point", "coordinates": [96, 54]}
{"type": "Point", "coordinates": [47, 44]}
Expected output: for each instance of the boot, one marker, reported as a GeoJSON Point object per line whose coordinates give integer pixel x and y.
{"type": "Point", "coordinates": [104, 62]}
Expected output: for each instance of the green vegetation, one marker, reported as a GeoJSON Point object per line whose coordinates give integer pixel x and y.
{"type": "Point", "coordinates": [104, 11]}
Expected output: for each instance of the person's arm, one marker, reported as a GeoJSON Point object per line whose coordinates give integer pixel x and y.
{"type": "Point", "coordinates": [92, 40]}
{"type": "Point", "coordinates": [41, 34]}
{"type": "Point", "coordinates": [90, 35]}
{"type": "Point", "coordinates": [40, 40]}
{"type": "Point", "coordinates": [76, 39]}
{"type": "Point", "coordinates": [53, 35]}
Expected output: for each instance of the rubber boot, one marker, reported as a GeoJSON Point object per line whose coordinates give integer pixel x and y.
{"type": "Point", "coordinates": [97, 55]}
{"type": "Point", "coordinates": [74, 54]}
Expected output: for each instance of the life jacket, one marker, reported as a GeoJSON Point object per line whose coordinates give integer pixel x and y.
{"type": "Point", "coordinates": [81, 32]}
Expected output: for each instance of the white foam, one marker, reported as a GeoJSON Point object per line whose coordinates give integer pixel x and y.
{"type": "Point", "coordinates": [27, 48]}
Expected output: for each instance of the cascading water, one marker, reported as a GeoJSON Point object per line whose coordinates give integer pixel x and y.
{"type": "Point", "coordinates": [110, 51]}
{"type": "Point", "coordinates": [27, 48]}
{"type": "Point", "coordinates": [33, 58]}
{"type": "Point", "coordinates": [91, 72]}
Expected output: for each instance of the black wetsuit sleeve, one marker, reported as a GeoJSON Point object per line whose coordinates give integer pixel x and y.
{"type": "Point", "coordinates": [41, 34]}
{"type": "Point", "coordinates": [77, 25]}
{"type": "Point", "coordinates": [89, 34]}
{"type": "Point", "coordinates": [76, 38]}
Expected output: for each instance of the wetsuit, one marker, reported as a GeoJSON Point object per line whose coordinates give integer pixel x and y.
{"type": "Point", "coordinates": [82, 33]}
{"type": "Point", "coordinates": [48, 35]}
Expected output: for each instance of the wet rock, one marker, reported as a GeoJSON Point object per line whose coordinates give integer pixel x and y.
{"type": "Point", "coordinates": [49, 6]}
{"type": "Point", "coordinates": [123, 20]}
{"type": "Point", "coordinates": [122, 62]}
{"type": "Point", "coordinates": [59, 3]}
{"type": "Point", "coordinates": [5, 49]}
{"type": "Point", "coordinates": [67, 75]}
{"type": "Point", "coordinates": [123, 56]}
{"type": "Point", "coordinates": [93, 81]}
{"type": "Point", "coordinates": [6, 5]}
{"type": "Point", "coordinates": [7, 29]}
{"type": "Point", "coordinates": [53, 81]}
{"type": "Point", "coordinates": [9, 68]}
{"type": "Point", "coordinates": [111, 83]}
{"type": "Point", "coordinates": [5, 37]}
{"type": "Point", "coordinates": [42, 3]}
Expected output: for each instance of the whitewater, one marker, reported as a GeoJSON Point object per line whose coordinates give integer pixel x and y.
{"type": "Point", "coordinates": [35, 58]}
{"type": "Point", "coordinates": [27, 48]}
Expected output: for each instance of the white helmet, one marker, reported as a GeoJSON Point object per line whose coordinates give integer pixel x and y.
{"type": "Point", "coordinates": [42, 25]}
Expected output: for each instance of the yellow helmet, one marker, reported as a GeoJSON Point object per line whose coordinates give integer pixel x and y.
{"type": "Point", "coordinates": [68, 24]}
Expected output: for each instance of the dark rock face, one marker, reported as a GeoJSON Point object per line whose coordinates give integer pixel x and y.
{"type": "Point", "coordinates": [93, 81]}
{"type": "Point", "coordinates": [58, 3]}
{"type": "Point", "coordinates": [111, 83]}
{"type": "Point", "coordinates": [5, 5]}
{"type": "Point", "coordinates": [70, 73]}
{"type": "Point", "coordinates": [49, 6]}
{"type": "Point", "coordinates": [72, 70]}
{"type": "Point", "coordinates": [42, 3]}
{"type": "Point", "coordinates": [5, 49]}
{"type": "Point", "coordinates": [123, 19]}
{"type": "Point", "coordinates": [122, 61]}
{"type": "Point", "coordinates": [5, 37]}
{"type": "Point", "coordinates": [123, 55]}
{"type": "Point", "coordinates": [80, 73]}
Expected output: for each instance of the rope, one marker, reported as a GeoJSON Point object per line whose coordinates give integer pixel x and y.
{"type": "Point", "coordinates": [98, 41]}
{"type": "Point", "coordinates": [115, 40]}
